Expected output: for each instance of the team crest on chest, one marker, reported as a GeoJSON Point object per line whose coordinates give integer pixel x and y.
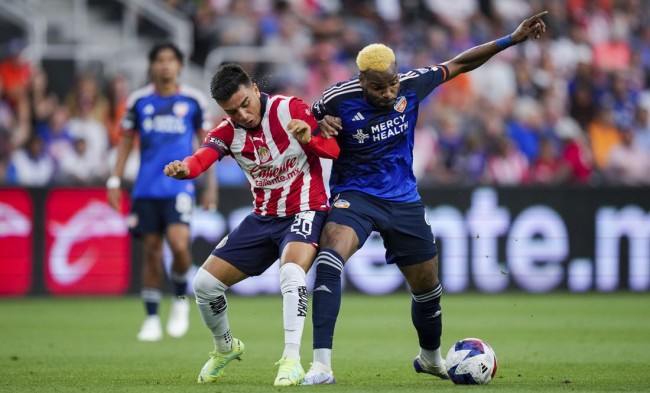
{"type": "Point", "coordinates": [263, 153]}
{"type": "Point", "coordinates": [180, 108]}
{"type": "Point", "coordinates": [400, 104]}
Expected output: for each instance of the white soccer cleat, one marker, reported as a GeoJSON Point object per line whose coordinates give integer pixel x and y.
{"type": "Point", "coordinates": [319, 374]}
{"type": "Point", "coordinates": [422, 366]}
{"type": "Point", "coordinates": [179, 317]}
{"type": "Point", "coordinates": [151, 329]}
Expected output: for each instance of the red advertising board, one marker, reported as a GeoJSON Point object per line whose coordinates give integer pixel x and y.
{"type": "Point", "coordinates": [16, 217]}
{"type": "Point", "coordinates": [87, 244]}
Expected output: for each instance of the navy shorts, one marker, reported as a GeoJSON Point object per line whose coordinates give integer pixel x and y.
{"type": "Point", "coordinates": [155, 215]}
{"type": "Point", "coordinates": [258, 241]}
{"type": "Point", "coordinates": [404, 227]}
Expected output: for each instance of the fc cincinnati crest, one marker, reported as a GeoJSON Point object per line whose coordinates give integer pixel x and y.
{"type": "Point", "coordinates": [400, 104]}
{"type": "Point", "coordinates": [180, 108]}
{"type": "Point", "coordinates": [263, 154]}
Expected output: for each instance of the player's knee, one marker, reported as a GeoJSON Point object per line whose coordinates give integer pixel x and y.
{"type": "Point", "coordinates": [292, 277]}
{"type": "Point", "coordinates": [206, 286]}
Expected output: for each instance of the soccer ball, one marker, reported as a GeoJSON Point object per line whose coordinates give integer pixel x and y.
{"type": "Point", "coordinates": [471, 361]}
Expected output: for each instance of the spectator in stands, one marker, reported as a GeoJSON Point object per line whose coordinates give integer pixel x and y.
{"type": "Point", "coordinates": [86, 100]}
{"type": "Point", "coordinates": [506, 164]}
{"type": "Point", "coordinates": [31, 166]}
{"type": "Point", "coordinates": [42, 101]}
{"type": "Point", "coordinates": [56, 134]}
{"type": "Point", "coordinates": [627, 164]}
{"type": "Point", "coordinates": [576, 154]}
{"type": "Point", "coordinates": [15, 73]}
{"type": "Point", "coordinates": [80, 167]}
{"type": "Point", "coordinates": [603, 135]}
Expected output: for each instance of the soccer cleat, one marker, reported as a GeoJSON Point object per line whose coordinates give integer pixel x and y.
{"type": "Point", "coordinates": [151, 329]}
{"type": "Point", "coordinates": [179, 317]}
{"type": "Point", "coordinates": [213, 368]}
{"type": "Point", "coordinates": [319, 374]}
{"type": "Point", "coordinates": [290, 372]}
{"type": "Point", "coordinates": [423, 367]}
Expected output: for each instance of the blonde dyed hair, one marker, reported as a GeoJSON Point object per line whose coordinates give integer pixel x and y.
{"type": "Point", "coordinates": [375, 57]}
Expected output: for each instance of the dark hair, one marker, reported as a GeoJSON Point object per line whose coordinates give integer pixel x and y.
{"type": "Point", "coordinates": [226, 81]}
{"type": "Point", "coordinates": [153, 52]}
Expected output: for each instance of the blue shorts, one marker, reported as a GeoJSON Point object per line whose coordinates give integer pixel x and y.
{"type": "Point", "coordinates": [404, 227]}
{"type": "Point", "coordinates": [258, 241]}
{"type": "Point", "coordinates": [155, 215]}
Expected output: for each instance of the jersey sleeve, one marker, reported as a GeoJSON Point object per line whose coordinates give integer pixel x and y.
{"type": "Point", "coordinates": [220, 139]}
{"type": "Point", "coordinates": [423, 80]}
{"type": "Point", "coordinates": [300, 110]}
{"type": "Point", "coordinates": [318, 146]}
{"type": "Point", "coordinates": [129, 121]}
{"type": "Point", "coordinates": [323, 107]}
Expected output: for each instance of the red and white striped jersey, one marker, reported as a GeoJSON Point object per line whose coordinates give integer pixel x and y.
{"type": "Point", "coordinates": [285, 177]}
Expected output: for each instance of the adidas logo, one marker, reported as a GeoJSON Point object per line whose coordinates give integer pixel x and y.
{"type": "Point", "coordinates": [323, 288]}
{"type": "Point", "coordinates": [358, 117]}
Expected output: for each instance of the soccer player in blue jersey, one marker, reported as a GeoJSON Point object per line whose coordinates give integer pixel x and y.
{"type": "Point", "coordinates": [373, 118]}
{"type": "Point", "coordinates": [167, 116]}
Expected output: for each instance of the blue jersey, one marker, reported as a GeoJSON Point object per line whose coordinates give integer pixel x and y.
{"type": "Point", "coordinates": [166, 126]}
{"type": "Point", "coordinates": [377, 144]}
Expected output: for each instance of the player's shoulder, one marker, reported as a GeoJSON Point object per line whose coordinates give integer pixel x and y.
{"type": "Point", "coordinates": [342, 91]}
{"type": "Point", "coordinates": [193, 93]}
{"type": "Point", "coordinates": [414, 74]}
{"type": "Point", "coordinates": [139, 94]}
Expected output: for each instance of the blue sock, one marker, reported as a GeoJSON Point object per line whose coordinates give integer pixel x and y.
{"type": "Point", "coordinates": [179, 282]}
{"type": "Point", "coordinates": [426, 314]}
{"type": "Point", "coordinates": [151, 298]}
{"type": "Point", "coordinates": [326, 297]}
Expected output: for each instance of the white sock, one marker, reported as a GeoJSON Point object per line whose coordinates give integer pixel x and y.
{"type": "Point", "coordinates": [324, 356]}
{"type": "Point", "coordinates": [294, 307]}
{"type": "Point", "coordinates": [213, 307]}
{"type": "Point", "coordinates": [431, 356]}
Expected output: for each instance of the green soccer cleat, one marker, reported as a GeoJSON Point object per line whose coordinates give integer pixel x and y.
{"type": "Point", "coordinates": [213, 368]}
{"type": "Point", "coordinates": [290, 372]}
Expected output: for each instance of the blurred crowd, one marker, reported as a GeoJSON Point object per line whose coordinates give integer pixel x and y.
{"type": "Point", "coordinates": [570, 108]}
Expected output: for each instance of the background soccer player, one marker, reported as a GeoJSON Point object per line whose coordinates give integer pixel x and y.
{"type": "Point", "coordinates": [374, 189]}
{"type": "Point", "coordinates": [290, 207]}
{"type": "Point", "coordinates": [167, 116]}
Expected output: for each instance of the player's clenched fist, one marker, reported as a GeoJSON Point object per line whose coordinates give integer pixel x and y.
{"type": "Point", "coordinates": [300, 130]}
{"type": "Point", "coordinates": [176, 169]}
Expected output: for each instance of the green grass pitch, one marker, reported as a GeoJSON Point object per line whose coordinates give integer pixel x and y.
{"type": "Point", "coordinates": [544, 343]}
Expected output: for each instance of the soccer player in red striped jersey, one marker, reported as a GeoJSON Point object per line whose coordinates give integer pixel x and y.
{"type": "Point", "coordinates": [276, 141]}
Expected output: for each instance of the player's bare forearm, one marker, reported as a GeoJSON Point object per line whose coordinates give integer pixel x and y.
{"type": "Point", "coordinates": [475, 57]}
{"type": "Point", "coordinates": [123, 149]}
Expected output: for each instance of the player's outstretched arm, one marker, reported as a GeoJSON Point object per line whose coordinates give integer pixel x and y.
{"type": "Point", "coordinates": [473, 58]}
{"type": "Point", "coordinates": [176, 169]}
{"type": "Point", "coordinates": [193, 165]}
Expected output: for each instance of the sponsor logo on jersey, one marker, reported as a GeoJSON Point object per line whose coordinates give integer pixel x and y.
{"type": "Point", "coordinates": [360, 136]}
{"type": "Point", "coordinates": [400, 104]}
{"type": "Point", "coordinates": [266, 176]}
{"type": "Point", "coordinates": [342, 204]}
{"type": "Point", "coordinates": [216, 141]}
